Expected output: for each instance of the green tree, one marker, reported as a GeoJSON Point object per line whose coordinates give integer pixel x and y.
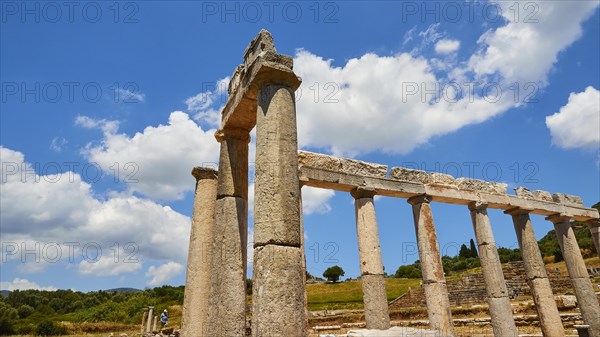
{"type": "Point", "coordinates": [25, 311]}
{"type": "Point", "coordinates": [410, 271]}
{"type": "Point", "coordinates": [333, 273]}
{"type": "Point", "coordinates": [8, 316]}
{"type": "Point", "coordinates": [464, 252]}
{"type": "Point", "coordinates": [473, 249]}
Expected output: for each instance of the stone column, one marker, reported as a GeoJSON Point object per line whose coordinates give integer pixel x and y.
{"type": "Point", "coordinates": [197, 284]}
{"type": "Point", "coordinates": [371, 264]}
{"type": "Point", "coordinates": [227, 303]}
{"type": "Point", "coordinates": [595, 231]}
{"type": "Point", "coordinates": [303, 250]}
{"type": "Point", "coordinates": [278, 304]}
{"type": "Point", "coordinates": [500, 309]}
{"type": "Point", "coordinates": [434, 281]}
{"type": "Point", "coordinates": [584, 291]}
{"type": "Point", "coordinates": [149, 322]}
{"type": "Point", "coordinates": [143, 328]}
{"type": "Point", "coordinates": [154, 324]}
{"type": "Point", "coordinates": [537, 278]}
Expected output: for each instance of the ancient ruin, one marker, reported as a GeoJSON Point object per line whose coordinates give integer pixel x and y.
{"type": "Point", "coordinates": [261, 95]}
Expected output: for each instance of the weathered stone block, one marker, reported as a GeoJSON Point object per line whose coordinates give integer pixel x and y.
{"type": "Point", "coordinates": [440, 179]}
{"type": "Point", "coordinates": [278, 270]}
{"type": "Point", "coordinates": [317, 160]}
{"type": "Point", "coordinates": [262, 43]}
{"type": "Point", "coordinates": [542, 195]}
{"type": "Point", "coordinates": [406, 174]}
{"type": "Point", "coordinates": [233, 167]}
{"type": "Point", "coordinates": [524, 192]}
{"type": "Point", "coordinates": [481, 185]}
{"type": "Point", "coordinates": [227, 316]}
{"type": "Point", "coordinates": [566, 301]}
{"type": "Point", "coordinates": [546, 307]}
{"type": "Point", "coordinates": [343, 165]}
{"type": "Point", "coordinates": [368, 237]}
{"type": "Point", "coordinates": [362, 168]}
{"type": "Point", "coordinates": [503, 322]}
{"type": "Point", "coordinates": [277, 189]}
{"type": "Point", "coordinates": [375, 300]}
{"type": "Point", "coordinates": [567, 199]}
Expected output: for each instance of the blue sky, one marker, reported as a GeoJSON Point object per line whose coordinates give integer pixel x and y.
{"type": "Point", "coordinates": [106, 107]}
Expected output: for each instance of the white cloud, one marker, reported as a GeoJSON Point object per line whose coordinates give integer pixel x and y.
{"type": "Point", "coordinates": [161, 274]}
{"type": "Point", "coordinates": [108, 266]}
{"type": "Point", "coordinates": [207, 105]}
{"type": "Point", "coordinates": [127, 96]}
{"type": "Point", "coordinates": [382, 103]}
{"type": "Point", "coordinates": [446, 46]}
{"type": "Point", "coordinates": [370, 107]}
{"type": "Point", "coordinates": [79, 216]}
{"type": "Point", "coordinates": [316, 200]}
{"type": "Point", "coordinates": [23, 284]}
{"type": "Point", "coordinates": [577, 124]}
{"type": "Point", "coordinates": [527, 47]}
{"type": "Point", "coordinates": [156, 162]}
{"type": "Point", "coordinates": [57, 144]}
{"type": "Point", "coordinates": [108, 127]}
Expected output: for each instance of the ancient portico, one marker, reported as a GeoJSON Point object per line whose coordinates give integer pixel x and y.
{"type": "Point", "coordinates": [261, 95]}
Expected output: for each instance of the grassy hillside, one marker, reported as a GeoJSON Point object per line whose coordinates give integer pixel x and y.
{"type": "Point", "coordinates": [348, 295]}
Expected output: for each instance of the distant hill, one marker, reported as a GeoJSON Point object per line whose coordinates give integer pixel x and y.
{"type": "Point", "coordinates": [123, 290]}
{"type": "Point", "coordinates": [4, 292]}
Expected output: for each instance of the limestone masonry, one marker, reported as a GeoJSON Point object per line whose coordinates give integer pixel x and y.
{"type": "Point", "coordinates": [262, 95]}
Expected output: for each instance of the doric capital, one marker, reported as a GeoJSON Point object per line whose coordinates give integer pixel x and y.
{"type": "Point", "coordinates": [594, 223]}
{"type": "Point", "coordinates": [419, 199]}
{"type": "Point", "coordinates": [204, 173]}
{"type": "Point", "coordinates": [233, 133]}
{"type": "Point", "coordinates": [518, 211]}
{"type": "Point", "coordinates": [302, 180]}
{"type": "Point", "coordinates": [478, 206]}
{"type": "Point", "coordinates": [362, 192]}
{"type": "Point", "coordinates": [558, 218]}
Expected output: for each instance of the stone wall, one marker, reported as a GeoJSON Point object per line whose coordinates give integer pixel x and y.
{"type": "Point", "coordinates": [470, 288]}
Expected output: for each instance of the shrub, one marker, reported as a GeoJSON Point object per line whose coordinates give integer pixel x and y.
{"type": "Point", "coordinates": [49, 328]}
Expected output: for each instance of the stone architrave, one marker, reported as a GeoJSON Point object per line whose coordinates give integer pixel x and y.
{"type": "Point", "coordinates": [434, 281]}
{"type": "Point", "coordinates": [503, 322]}
{"type": "Point", "coordinates": [371, 264]}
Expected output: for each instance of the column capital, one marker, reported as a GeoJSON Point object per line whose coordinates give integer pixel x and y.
{"type": "Point", "coordinates": [362, 192]}
{"type": "Point", "coordinates": [478, 206]}
{"type": "Point", "coordinates": [303, 180]}
{"type": "Point", "coordinates": [232, 133]}
{"type": "Point", "coordinates": [518, 211]}
{"type": "Point", "coordinates": [594, 223]}
{"type": "Point", "coordinates": [558, 218]}
{"type": "Point", "coordinates": [201, 173]}
{"type": "Point", "coordinates": [419, 199]}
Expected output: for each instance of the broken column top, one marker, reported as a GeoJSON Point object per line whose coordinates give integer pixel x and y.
{"type": "Point", "coordinates": [261, 66]}
{"type": "Point", "coordinates": [204, 173]}
{"type": "Point", "coordinates": [263, 42]}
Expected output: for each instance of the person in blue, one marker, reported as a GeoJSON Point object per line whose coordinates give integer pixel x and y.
{"type": "Point", "coordinates": [164, 318]}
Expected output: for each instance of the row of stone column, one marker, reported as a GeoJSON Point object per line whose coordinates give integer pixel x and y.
{"type": "Point", "coordinates": [434, 283]}
{"type": "Point", "coordinates": [201, 276]}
